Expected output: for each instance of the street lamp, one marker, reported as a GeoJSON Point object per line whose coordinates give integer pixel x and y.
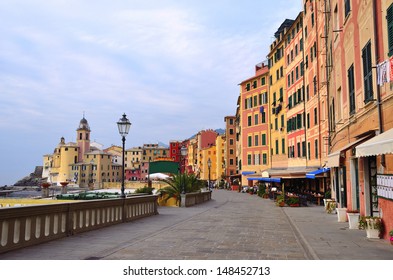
{"type": "Point", "coordinates": [124, 126]}
{"type": "Point", "coordinates": [209, 164]}
{"type": "Point", "coordinates": [183, 153]}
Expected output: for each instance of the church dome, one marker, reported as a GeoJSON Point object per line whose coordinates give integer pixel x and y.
{"type": "Point", "coordinates": [83, 124]}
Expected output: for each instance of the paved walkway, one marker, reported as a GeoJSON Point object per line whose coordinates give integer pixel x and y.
{"type": "Point", "coordinates": [232, 226]}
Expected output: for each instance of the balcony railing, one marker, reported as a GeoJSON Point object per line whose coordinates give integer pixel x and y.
{"type": "Point", "coordinates": [30, 225]}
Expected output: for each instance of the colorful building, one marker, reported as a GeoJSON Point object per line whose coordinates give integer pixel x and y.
{"type": "Point", "coordinates": [230, 158]}
{"type": "Point", "coordinates": [277, 98]}
{"type": "Point", "coordinates": [254, 122]}
{"type": "Point", "coordinates": [360, 102]}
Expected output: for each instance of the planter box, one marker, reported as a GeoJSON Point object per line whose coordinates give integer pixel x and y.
{"type": "Point", "coordinates": [353, 219]}
{"type": "Point", "coordinates": [341, 215]}
{"type": "Point", "coordinates": [372, 233]}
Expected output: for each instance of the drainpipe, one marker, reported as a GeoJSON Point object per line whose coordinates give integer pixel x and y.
{"type": "Point", "coordinates": [304, 92]}
{"type": "Point", "coordinates": [379, 105]}
{"type": "Point", "coordinates": [327, 75]}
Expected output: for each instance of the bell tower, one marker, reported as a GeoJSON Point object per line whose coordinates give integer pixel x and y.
{"type": "Point", "coordinates": [83, 138]}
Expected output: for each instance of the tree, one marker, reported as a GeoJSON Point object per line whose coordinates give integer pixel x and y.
{"type": "Point", "coordinates": [179, 182]}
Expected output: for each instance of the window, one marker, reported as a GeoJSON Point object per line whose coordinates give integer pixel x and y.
{"type": "Point", "coordinates": [230, 141]}
{"type": "Point", "coordinates": [263, 117]}
{"type": "Point", "coordinates": [249, 159]}
{"type": "Point", "coordinates": [389, 18]}
{"type": "Point", "coordinates": [315, 116]}
{"type": "Point", "coordinates": [308, 150]}
{"type": "Point", "coordinates": [312, 20]}
{"type": "Point", "coordinates": [231, 151]}
{"type": "Point", "coordinates": [282, 120]}
{"type": "Point", "coordinates": [249, 120]}
{"type": "Point", "coordinates": [256, 140]}
{"type": "Point", "coordinates": [255, 100]}
{"type": "Point", "coordinates": [263, 81]}
{"type": "Point", "coordinates": [367, 72]}
{"type": "Point", "coordinates": [298, 149]}
{"type": "Point", "coordinates": [276, 147]}
{"type": "Point", "coordinates": [263, 139]}
{"type": "Point", "coordinates": [351, 90]}
{"type": "Point", "coordinates": [231, 131]}
{"type": "Point", "coordinates": [304, 149]}
{"type": "Point", "coordinates": [283, 145]}
{"type": "Point", "coordinates": [308, 120]}
{"type": "Point", "coordinates": [231, 121]}
{"type": "Point", "coordinates": [254, 84]}
{"type": "Point", "coordinates": [316, 148]}
{"type": "Point", "coordinates": [264, 159]}
{"type": "Point", "coordinates": [347, 5]}
{"type": "Point", "coordinates": [276, 124]}
{"type": "Point", "coordinates": [249, 141]}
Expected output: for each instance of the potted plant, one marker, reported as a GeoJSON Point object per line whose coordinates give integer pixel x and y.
{"type": "Point", "coordinates": [293, 201]}
{"type": "Point", "coordinates": [330, 206]}
{"type": "Point", "coordinates": [353, 218]}
{"type": "Point", "coordinates": [280, 201]}
{"type": "Point", "coordinates": [341, 214]}
{"type": "Point", "coordinates": [372, 225]}
{"type": "Point", "coordinates": [391, 236]}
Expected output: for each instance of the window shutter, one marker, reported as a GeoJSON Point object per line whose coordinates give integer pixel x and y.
{"type": "Point", "coordinates": [389, 18]}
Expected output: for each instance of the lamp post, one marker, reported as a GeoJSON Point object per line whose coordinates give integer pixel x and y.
{"type": "Point", "coordinates": [183, 153]}
{"type": "Point", "coordinates": [209, 165]}
{"type": "Point", "coordinates": [124, 126]}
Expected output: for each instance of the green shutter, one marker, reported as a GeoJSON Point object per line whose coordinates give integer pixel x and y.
{"type": "Point", "coordinates": [389, 18]}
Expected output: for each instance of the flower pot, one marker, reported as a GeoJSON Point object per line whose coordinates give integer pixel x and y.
{"type": "Point", "coordinates": [353, 219]}
{"type": "Point", "coordinates": [341, 215]}
{"type": "Point", "coordinates": [372, 233]}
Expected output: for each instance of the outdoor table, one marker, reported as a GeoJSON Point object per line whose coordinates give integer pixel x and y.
{"type": "Point", "coordinates": [318, 197]}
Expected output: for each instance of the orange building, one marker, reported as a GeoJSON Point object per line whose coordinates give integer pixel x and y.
{"type": "Point", "coordinates": [360, 102]}
{"type": "Point", "coordinates": [254, 122]}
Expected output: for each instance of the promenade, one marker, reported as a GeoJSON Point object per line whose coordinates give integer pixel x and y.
{"type": "Point", "coordinates": [233, 226]}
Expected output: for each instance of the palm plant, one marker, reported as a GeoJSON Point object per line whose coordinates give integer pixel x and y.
{"type": "Point", "coordinates": [179, 183]}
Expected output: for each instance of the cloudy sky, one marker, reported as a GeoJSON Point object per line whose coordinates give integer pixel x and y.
{"type": "Point", "coordinates": [172, 66]}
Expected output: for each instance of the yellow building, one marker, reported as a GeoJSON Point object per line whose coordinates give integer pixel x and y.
{"type": "Point", "coordinates": [57, 165]}
{"type": "Point", "coordinates": [80, 163]}
{"type": "Point", "coordinates": [277, 98]}
{"type": "Point", "coordinates": [220, 159]}
{"type": "Point", "coordinates": [204, 156]}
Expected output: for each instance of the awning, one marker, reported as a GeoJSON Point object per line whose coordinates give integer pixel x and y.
{"type": "Point", "coordinates": [248, 172]}
{"type": "Point", "coordinates": [378, 145]}
{"type": "Point", "coordinates": [334, 158]}
{"type": "Point", "coordinates": [265, 179]}
{"type": "Point", "coordinates": [312, 174]}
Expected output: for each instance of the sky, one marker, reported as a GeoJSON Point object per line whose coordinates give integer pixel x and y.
{"type": "Point", "coordinates": [172, 66]}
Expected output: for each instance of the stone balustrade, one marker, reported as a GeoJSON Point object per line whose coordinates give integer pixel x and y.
{"type": "Point", "coordinates": [30, 225]}
{"type": "Point", "coordinates": [190, 199]}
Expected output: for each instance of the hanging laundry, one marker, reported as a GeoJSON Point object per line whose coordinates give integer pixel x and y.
{"type": "Point", "coordinates": [383, 72]}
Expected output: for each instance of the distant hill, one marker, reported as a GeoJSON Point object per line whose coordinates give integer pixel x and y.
{"type": "Point", "coordinates": [220, 131]}
{"type": "Point", "coordinates": [160, 144]}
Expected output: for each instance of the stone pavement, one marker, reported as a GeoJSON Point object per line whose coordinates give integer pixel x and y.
{"type": "Point", "coordinates": [233, 226]}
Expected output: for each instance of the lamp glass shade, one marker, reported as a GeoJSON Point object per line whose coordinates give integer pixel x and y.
{"type": "Point", "coordinates": [124, 125]}
{"type": "Point", "coordinates": [209, 163]}
{"type": "Point", "coordinates": [183, 151]}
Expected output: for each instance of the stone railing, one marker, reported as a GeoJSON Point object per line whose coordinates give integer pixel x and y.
{"type": "Point", "coordinates": [30, 225]}
{"type": "Point", "coordinates": [190, 199]}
